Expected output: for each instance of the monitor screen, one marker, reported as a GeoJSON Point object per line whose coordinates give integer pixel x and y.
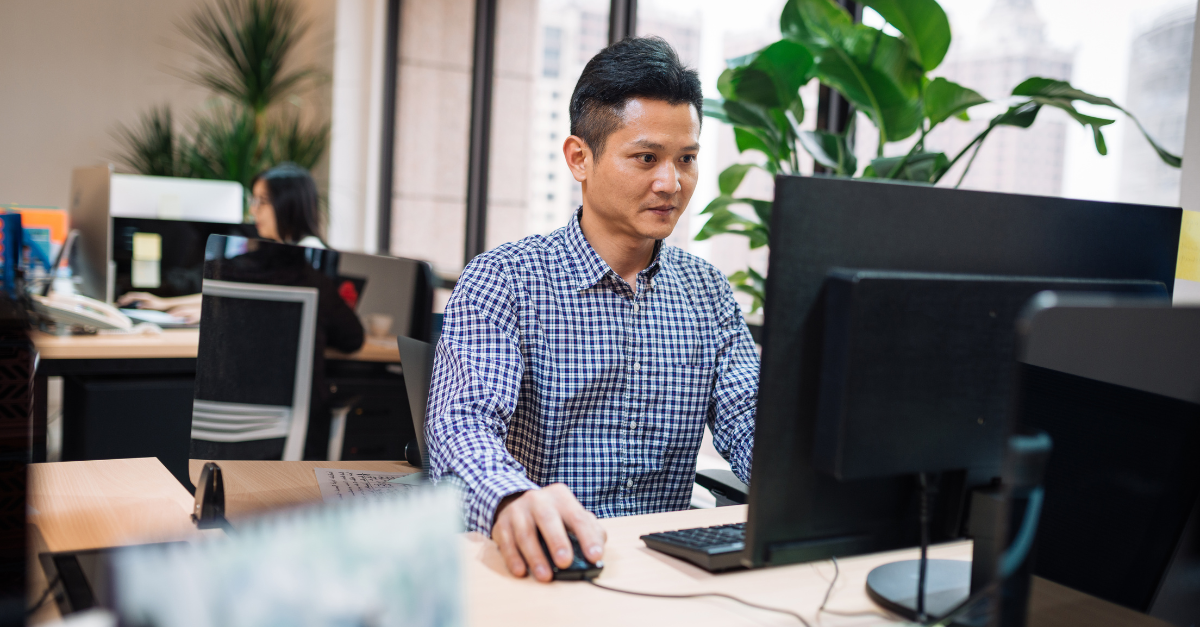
{"type": "Point", "coordinates": [163, 257]}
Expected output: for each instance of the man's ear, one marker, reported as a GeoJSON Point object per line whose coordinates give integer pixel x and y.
{"type": "Point", "coordinates": [579, 157]}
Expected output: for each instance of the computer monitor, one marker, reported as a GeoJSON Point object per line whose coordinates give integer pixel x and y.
{"type": "Point", "coordinates": [801, 513]}
{"type": "Point", "coordinates": [98, 195]}
{"type": "Point", "coordinates": [399, 288]}
{"type": "Point", "coordinates": [163, 257]}
{"type": "Point", "coordinates": [1115, 384]}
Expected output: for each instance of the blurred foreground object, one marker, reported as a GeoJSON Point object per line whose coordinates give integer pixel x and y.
{"type": "Point", "coordinates": [382, 561]}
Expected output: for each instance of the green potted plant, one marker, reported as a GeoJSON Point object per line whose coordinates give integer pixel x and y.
{"type": "Point", "coordinates": [245, 50]}
{"type": "Point", "coordinates": [883, 76]}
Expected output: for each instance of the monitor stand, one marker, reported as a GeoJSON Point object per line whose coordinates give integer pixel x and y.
{"type": "Point", "coordinates": [894, 586]}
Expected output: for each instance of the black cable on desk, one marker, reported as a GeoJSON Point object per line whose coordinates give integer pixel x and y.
{"type": "Point", "coordinates": [704, 594]}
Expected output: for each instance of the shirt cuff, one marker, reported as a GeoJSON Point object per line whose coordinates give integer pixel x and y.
{"type": "Point", "coordinates": [485, 497]}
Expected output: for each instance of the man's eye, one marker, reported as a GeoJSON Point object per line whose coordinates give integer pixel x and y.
{"type": "Point", "coordinates": [689, 158]}
{"type": "Point", "coordinates": [646, 158]}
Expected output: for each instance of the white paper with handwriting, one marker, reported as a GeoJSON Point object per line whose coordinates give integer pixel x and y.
{"type": "Point", "coordinates": [339, 484]}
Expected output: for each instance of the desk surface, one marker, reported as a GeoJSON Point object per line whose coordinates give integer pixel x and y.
{"type": "Point", "coordinates": [104, 503]}
{"type": "Point", "coordinates": [173, 344]}
{"type": "Point", "coordinates": [256, 486]}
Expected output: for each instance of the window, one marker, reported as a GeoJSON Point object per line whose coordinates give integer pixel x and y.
{"type": "Point", "coordinates": [705, 34]}
{"type": "Point", "coordinates": [1138, 54]}
{"type": "Point", "coordinates": [529, 116]}
{"type": "Point", "coordinates": [551, 51]}
{"type": "Point", "coordinates": [432, 125]}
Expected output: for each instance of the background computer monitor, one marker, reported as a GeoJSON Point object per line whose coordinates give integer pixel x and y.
{"type": "Point", "coordinates": [799, 513]}
{"type": "Point", "coordinates": [179, 269]}
{"type": "Point", "coordinates": [393, 286]}
{"type": "Point", "coordinates": [98, 195]}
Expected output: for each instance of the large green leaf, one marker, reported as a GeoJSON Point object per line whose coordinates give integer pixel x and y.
{"type": "Point", "coordinates": [1087, 120]}
{"type": "Point", "coordinates": [921, 167]}
{"type": "Point", "coordinates": [1054, 88]}
{"type": "Point", "coordinates": [747, 139]}
{"type": "Point", "coordinates": [762, 208]}
{"type": "Point", "coordinates": [923, 22]}
{"type": "Point", "coordinates": [875, 71]}
{"type": "Point", "coordinates": [1020, 115]}
{"type": "Point", "coordinates": [715, 109]}
{"type": "Point", "coordinates": [752, 283]}
{"type": "Point", "coordinates": [724, 220]}
{"type": "Point", "coordinates": [729, 180]}
{"type": "Point", "coordinates": [771, 77]}
{"type": "Point", "coordinates": [719, 202]}
{"type": "Point", "coordinates": [830, 150]}
{"type": "Point", "coordinates": [945, 99]}
{"type": "Point", "coordinates": [748, 115]}
{"type": "Point", "coordinates": [1038, 86]}
{"type": "Point", "coordinates": [815, 24]}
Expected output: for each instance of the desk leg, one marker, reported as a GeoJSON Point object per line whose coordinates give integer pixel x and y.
{"type": "Point", "coordinates": [37, 431]}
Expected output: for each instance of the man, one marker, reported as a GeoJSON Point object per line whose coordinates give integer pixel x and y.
{"type": "Point", "coordinates": [576, 371]}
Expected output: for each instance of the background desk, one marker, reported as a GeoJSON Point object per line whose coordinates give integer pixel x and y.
{"type": "Point", "coordinates": [128, 396]}
{"type": "Point", "coordinates": [105, 503]}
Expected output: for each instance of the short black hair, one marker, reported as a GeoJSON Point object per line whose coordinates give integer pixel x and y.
{"type": "Point", "coordinates": [645, 67]}
{"type": "Point", "coordinates": [293, 196]}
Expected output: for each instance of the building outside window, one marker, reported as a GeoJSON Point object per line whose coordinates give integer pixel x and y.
{"type": "Point", "coordinates": [1138, 54]}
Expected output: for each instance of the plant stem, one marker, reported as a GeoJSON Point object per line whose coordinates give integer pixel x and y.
{"type": "Point", "coordinates": [978, 140]}
{"type": "Point", "coordinates": [911, 151]}
{"type": "Point", "coordinates": [969, 162]}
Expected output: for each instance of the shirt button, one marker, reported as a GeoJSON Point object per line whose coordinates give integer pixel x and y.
{"type": "Point", "coordinates": [633, 425]}
{"type": "Point", "coordinates": [635, 308]}
{"type": "Point", "coordinates": [637, 366]}
{"type": "Point", "coordinates": [629, 484]}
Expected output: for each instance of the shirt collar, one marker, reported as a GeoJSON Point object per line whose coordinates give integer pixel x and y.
{"type": "Point", "coordinates": [590, 268]}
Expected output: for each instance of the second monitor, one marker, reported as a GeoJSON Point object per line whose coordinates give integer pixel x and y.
{"type": "Point", "coordinates": [799, 512]}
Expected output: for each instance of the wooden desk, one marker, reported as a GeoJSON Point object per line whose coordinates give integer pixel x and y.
{"type": "Point", "coordinates": [256, 486]}
{"type": "Point", "coordinates": [85, 504]}
{"type": "Point", "coordinates": [172, 344]}
{"type": "Point", "coordinates": [104, 503]}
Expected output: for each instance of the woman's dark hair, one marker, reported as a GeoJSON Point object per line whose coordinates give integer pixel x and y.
{"type": "Point", "coordinates": [293, 196]}
{"type": "Point", "coordinates": [645, 67]}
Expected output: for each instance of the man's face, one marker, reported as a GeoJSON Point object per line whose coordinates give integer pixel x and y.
{"type": "Point", "coordinates": [645, 177]}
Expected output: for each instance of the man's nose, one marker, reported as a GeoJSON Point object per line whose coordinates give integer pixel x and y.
{"type": "Point", "coordinates": [666, 180]}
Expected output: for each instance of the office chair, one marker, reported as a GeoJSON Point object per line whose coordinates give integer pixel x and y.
{"type": "Point", "coordinates": [253, 371]}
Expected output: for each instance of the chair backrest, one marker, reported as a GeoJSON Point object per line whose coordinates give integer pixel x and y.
{"type": "Point", "coordinates": [255, 364]}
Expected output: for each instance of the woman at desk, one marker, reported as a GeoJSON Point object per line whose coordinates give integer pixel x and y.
{"type": "Point", "coordinates": [285, 207]}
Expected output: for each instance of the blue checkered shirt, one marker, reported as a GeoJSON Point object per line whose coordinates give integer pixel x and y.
{"type": "Point", "coordinates": [551, 368]}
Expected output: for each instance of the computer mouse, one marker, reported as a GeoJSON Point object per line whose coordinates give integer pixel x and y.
{"type": "Point", "coordinates": [579, 570]}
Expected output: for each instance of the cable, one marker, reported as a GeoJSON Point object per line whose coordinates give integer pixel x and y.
{"type": "Point", "coordinates": [704, 594]}
{"type": "Point", "coordinates": [836, 571]}
{"type": "Point", "coordinates": [45, 595]}
{"type": "Point", "coordinates": [829, 592]}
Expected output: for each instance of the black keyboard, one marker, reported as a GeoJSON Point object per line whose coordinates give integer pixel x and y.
{"type": "Point", "coordinates": [711, 548]}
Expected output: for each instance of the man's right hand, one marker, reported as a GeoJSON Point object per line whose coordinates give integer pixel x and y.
{"type": "Point", "coordinates": [553, 510]}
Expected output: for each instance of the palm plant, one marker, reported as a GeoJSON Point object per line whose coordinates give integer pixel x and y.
{"type": "Point", "coordinates": [151, 147]}
{"type": "Point", "coordinates": [245, 51]}
{"type": "Point", "coordinates": [884, 77]}
{"type": "Point", "coordinates": [246, 45]}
